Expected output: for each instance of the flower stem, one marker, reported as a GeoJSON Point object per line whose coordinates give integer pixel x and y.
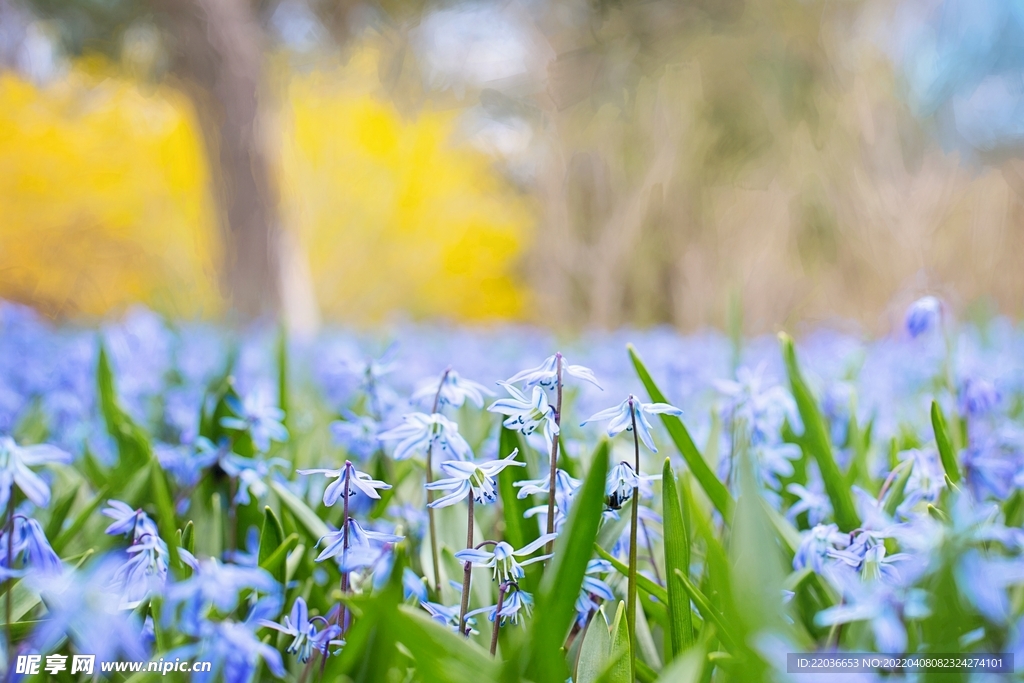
{"type": "Point", "coordinates": [554, 451]}
{"type": "Point", "coordinates": [650, 550]}
{"type": "Point", "coordinates": [434, 557]}
{"type": "Point", "coordinates": [497, 617]}
{"type": "Point", "coordinates": [343, 612]}
{"type": "Point", "coordinates": [467, 572]}
{"type": "Point", "coordinates": [634, 519]}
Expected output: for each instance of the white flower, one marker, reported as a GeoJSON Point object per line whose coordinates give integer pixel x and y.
{"type": "Point", "coordinates": [546, 374]}
{"type": "Point", "coordinates": [469, 476]}
{"type": "Point", "coordinates": [419, 431]}
{"type": "Point", "coordinates": [622, 417]}
{"type": "Point", "coordinates": [503, 558]}
{"type": "Point", "coordinates": [525, 415]}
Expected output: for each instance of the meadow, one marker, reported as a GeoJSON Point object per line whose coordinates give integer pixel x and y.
{"type": "Point", "coordinates": [379, 508]}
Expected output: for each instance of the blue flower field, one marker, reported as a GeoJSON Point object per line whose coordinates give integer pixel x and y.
{"type": "Point", "coordinates": [471, 505]}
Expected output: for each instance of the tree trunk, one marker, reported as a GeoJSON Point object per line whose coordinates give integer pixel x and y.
{"type": "Point", "coordinates": [217, 47]}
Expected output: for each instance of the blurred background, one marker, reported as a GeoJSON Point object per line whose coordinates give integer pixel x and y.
{"type": "Point", "coordinates": [569, 163]}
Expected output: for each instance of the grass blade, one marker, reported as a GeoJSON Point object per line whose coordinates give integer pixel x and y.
{"type": "Point", "coordinates": [517, 532]}
{"type": "Point", "coordinates": [944, 444]}
{"type": "Point", "coordinates": [642, 582]}
{"type": "Point", "coordinates": [714, 488]}
{"type": "Point", "coordinates": [677, 556]}
{"type": "Point", "coordinates": [559, 588]}
{"type": "Point", "coordinates": [306, 517]}
{"type": "Point", "coordinates": [816, 440]}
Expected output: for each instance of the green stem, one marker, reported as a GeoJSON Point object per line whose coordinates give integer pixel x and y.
{"type": "Point", "coordinates": [497, 617]}
{"type": "Point", "coordinates": [434, 556]}
{"type": "Point", "coordinates": [634, 519]}
{"type": "Point", "coordinates": [554, 452]}
{"type": "Point", "coordinates": [467, 572]}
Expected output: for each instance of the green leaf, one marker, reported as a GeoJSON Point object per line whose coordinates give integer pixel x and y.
{"type": "Point", "coordinates": [619, 668]}
{"type": "Point", "coordinates": [787, 533]}
{"type": "Point", "coordinates": [894, 496]}
{"type": "Point", "coordinates": [61, 508]}
{"type": "Point", "coordinates": [165, 521]}
{"type": "Point", "coordinates": [677, 556]}
{"type": "Point", "coordinates": [133, 447]}
{"type": "Point", "coordinates": [282, 371]}
{"type": "Point", "coordinates": [642, 582]}
{"type": "Point", "coordinates": [271, 540]}
{"type": "Point", "coordinates": [709, 613]}
{"type": "Point", "coordinates": [560, 586]}
{"type": "Point", "coordinates": [306, 517]}
{"type": "Point", "coordinates": [188, 537]}
{"type": "Point", "coordinates": [517, 532]}
{"type": "Point", "coordinates": [78, 522]}
{"type": "Point", "coordinates": [944, 444]}
{"type": "Point", "coordinates": [686, 669]}
{"type": "Point", "coordinates": [441, 655]}
{"type": "Point", "coordinates": [275, 561]}
{"type": "Point", "coordinates": [595, 651]}
{"type": "Point", "coordinates": [816, 440]}
{"type": "Point", "coordinates": [714, 488]}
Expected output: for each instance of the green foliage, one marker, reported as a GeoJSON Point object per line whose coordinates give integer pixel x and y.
{"type": "Point", "coordinates": [518, 531]}
{"type": "Point", "coordinates": [944, 444]}
{"type": "Point", "coordinates": [677, 556]}
{"type": "Point", "coordinates": [816, 441]}
{"type": "Point", "coordinates": [561, 583]}
{"type": "Point", "coordinates": [714, 488]}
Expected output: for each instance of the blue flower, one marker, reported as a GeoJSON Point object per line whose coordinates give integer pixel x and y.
{"type": "Point", "coordinates": [449, 616]}
{"type": "Point", "coordinates": [817, 545]}
{"type": "Point", "coordinates": [250, 473]}
{"type": "Point", "coordinates": [515, 601]}
{"type": "Point", "coordinates": [233, 648]}
{"type": "Point", "coordinates": [470, 477]}
{"type": "Point", "coordinates": [348, 476]}
{"type": "Point", "coordinates": [621, 481]}
{"type": "Point", "coordinates": [364, 547]}
{"type": "Point", "coordinates": [978, 397]}
{"type": "Point", "coordinates": [305, 635]}
{"type": "Point", "coordinates": [984, 580]}
{"type": "Point", "coordinates": [811, 500]}
{"type": "Point", "coordinates": [882, 604]}
{"type": "Point", "coordinates": [413, 586]}
{"type": "Point", "coordinates": [525, 415]}
{"type": "Point", "coordinates": [503, 558]}
{"type": "Point", "coordinates": [419, 431]}
{"type": "Point", "coordinates": [257, 416]}
{"type": "Point", "coordinates": [593, 587]}
{"type": "Point", "coordinates": [357, 434]}
{"type": "Point", "coordinates": [565, 488]}
{"type": "Point", "coordinates": [213, 585]}
{"type": "Point", "coordinates": [546, 374]}
{"type": "Point", "coordinates": [127, 520]}
{"type": "Point", "coordinates": [82, 605]}
{"type": "Point", "coordinates": [30, 543]}
{"type": "Point", "coordinates": [923, 315]}
{"type": "Point", "coordinates": [622, 416]}
{"type": "Point", "coordinates": [454, 391]}
{"type": "Point", "coordinates": [15, 461]}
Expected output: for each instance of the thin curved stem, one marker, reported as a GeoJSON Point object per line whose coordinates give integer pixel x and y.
{"type": "Point", "coordinates": [631, 591]}
{"type": "Point", "coordinates": [497, 616]}
{"type": "Point", "coordinates": [554, 451]}
{"type": "Point", "coordinates": [343, 612]}
{"type": "Point", "coordinates": [467, 573]}
{"type": "Point", "coordinates": [434, 556]}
